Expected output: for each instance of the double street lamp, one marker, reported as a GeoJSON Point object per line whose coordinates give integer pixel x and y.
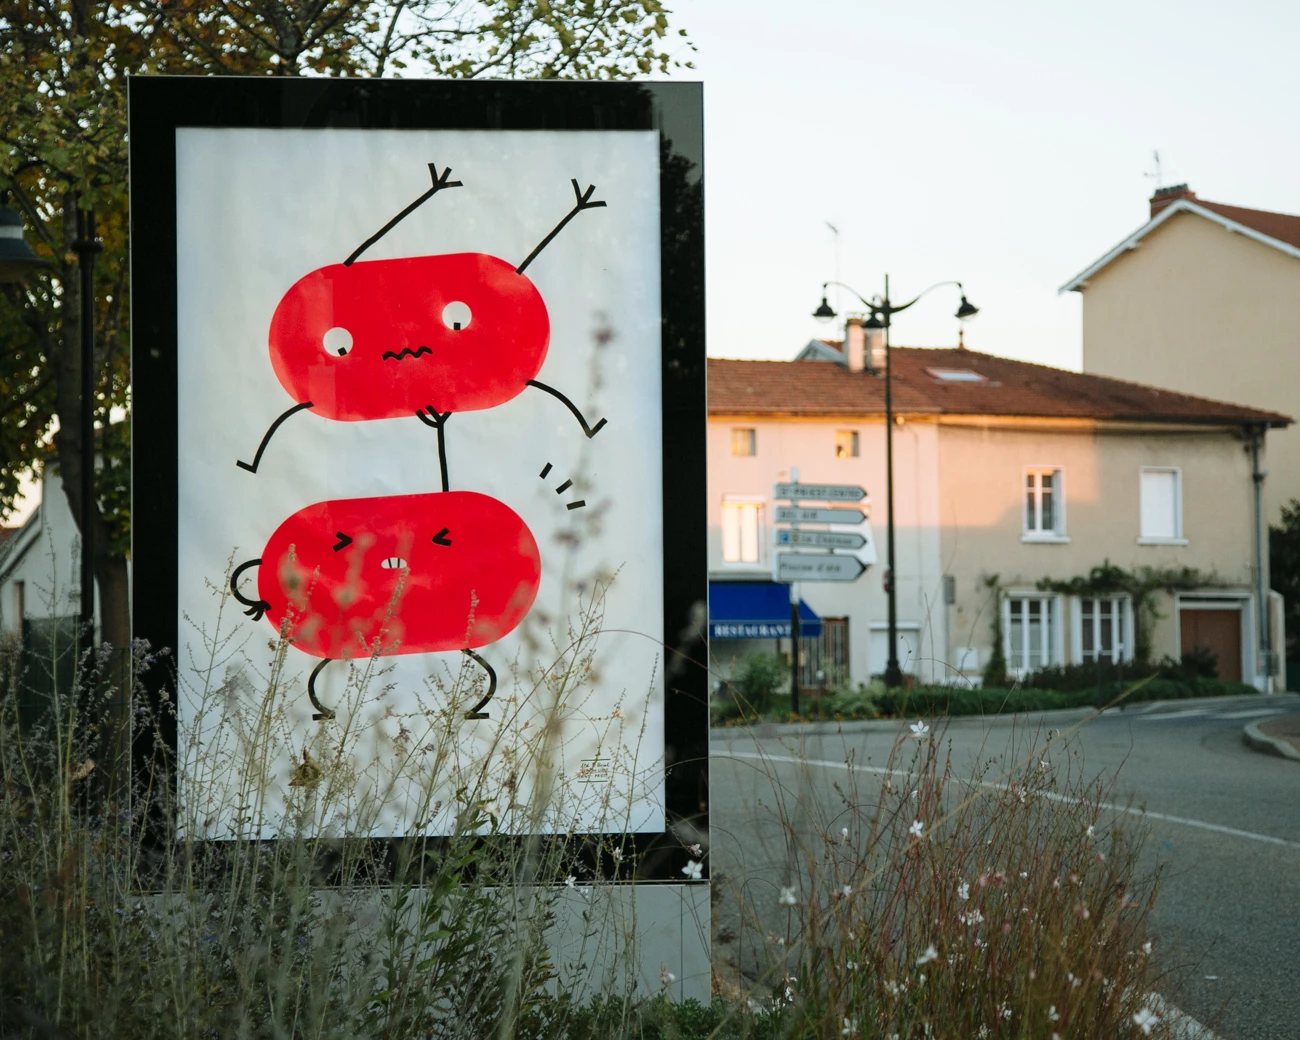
{"type": "Point", "coordinates": [882, 310]}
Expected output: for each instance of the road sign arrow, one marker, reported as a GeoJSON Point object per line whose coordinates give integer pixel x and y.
{"type": "Point", "coordinates": [820, 539]}
{"type": "Point", "coordinates": [816, 515]}
{"type": "Point", "coordinates": [817, 567]}
{"type": "Point", "coordinates": [820, 492]}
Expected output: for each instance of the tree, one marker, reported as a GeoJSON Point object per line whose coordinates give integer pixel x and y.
{"type": "Point", "coordinates": [63, 68]}
{"type": "Point", "coordinates": [1284, 570]}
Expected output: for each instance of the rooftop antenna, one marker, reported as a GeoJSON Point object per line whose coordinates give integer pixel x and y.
{"type": "Point", "coordinates": [1154, 173]}
{"type": "Point", "coordinates": [836, 232]}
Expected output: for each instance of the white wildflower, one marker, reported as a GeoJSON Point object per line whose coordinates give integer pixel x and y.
{"type": "Point", "coordinates": [919, 730]}
{"type": "Point", "coordinates": [570, 881]}
{"type": "Point", "coordinates": [850, 1028]}
{"type": "Point", "coordinates": [694, 850]}
{"type": "Point", "coordinates": [1052, 1015]}
{"type": "Point", "coordinates": [1145, 1019]}
{"type": "Point", "coordinates": [666, 977]}
{"type": "Point", "coordinates": [846, 891]}
{"type": "Point", "coordinates": [917, 829]}
{"type": "Point", "coordinates": [617, 855]}
{"type": "Point", "coordinates": [963, 891]}
{"type": "Point", "coordinates": [1090, 831]}
{"type": "Point", "coordinates": [1146, 947]}
{"type": "Point", "coordinates": [787, 896]}
{"type": "Point", "coordinates": [844, 834]}
{"type": "Point", "coordinates": [930, 954]}
{"type": "Point", "coordinates": [693, 870]}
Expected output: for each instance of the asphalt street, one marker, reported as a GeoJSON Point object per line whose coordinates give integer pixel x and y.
{"type": "Point", "coordinates": [1223, 823]}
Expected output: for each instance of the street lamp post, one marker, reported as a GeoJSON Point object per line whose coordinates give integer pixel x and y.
{"type": "Point", "coordinates": [86, 246]}
{"type": "Point", "coordinates": [882, 310]}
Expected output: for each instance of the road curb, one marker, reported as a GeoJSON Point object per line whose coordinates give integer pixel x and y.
{"type": "Point", "coordinates": [1256, 738]}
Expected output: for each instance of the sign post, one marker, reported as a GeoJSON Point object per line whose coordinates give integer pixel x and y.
{"type": "Point", "coordinates": [794, 567]}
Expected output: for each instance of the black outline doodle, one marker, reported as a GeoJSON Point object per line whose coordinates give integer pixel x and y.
{"type": "Point", "coordinates": [438, 184]}
{"type": "Point", "coordinates": [578, 207]}
{"type": "Point", "coordinates": [437, 421]}
{"type": "Point", "coordinates": [322, 712]}
{"type": "Point", "coordinates": [441, 537]}
{"type": "Point", "coordinates": [576, 505]}
{"type": "Point", "coordinates": [405, 352]}
{"type": "Point", "coordinates": [256, 607]}
{"type": "Point", "coordinates": [477, 711]}
{"type": "Point", "coordinates": [564, 487]}
{"type": "Point", "coordinates": [257, 459]}
{"type": "Point", "coordinates": [344, 541]}
{"type": "Point", "coordinates": [545, 470]}
{"type": "Point", "coordinates": [590, 431]}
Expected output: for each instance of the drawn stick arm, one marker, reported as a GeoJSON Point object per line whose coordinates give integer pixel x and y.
{"type": "Point", "coordinates": [590, 431]}
{"type": "Point", "coordinates": [266, 439]}
{"type": "Point", "coordinates": [256, 607]}
{"type": "Point", "coordinates": [477, 711]}
{"type": "Point", "coordinates": [582, 203]}
{"type": "Point", "coordinates": [439, 182]}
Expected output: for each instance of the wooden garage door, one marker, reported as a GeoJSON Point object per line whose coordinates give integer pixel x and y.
{"type": "Point", "coordinates": [1220, 631]}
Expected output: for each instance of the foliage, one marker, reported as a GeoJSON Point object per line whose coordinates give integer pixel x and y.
{"type": "Point", "coordinates": [1284, 570]}
{"type": "Point", "coordinates": [1107, 579]}
{"type": "Point", "coordinates": [751, 691]}
{"type": "Point", "coordinates": [995, 670]}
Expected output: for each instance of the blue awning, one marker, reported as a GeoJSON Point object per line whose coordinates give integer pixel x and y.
{"type": "Point", "coordinates": [756, 610]}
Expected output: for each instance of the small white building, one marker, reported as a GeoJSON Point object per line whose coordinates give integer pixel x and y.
{"type": "Point", "coordinates": [1011, 481]}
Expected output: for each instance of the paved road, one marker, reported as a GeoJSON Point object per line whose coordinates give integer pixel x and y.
{"type": "Point", "coordinates": [1224, 822]}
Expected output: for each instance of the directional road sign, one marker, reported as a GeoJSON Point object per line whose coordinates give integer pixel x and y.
{"type": "Point", "coordinates": [815, 515]}
{"type": "Point", "coordinates": [817, 567]}
{"type": "Point", "coordinates": [821, 539]}
{"type": "Point", "coordinates": [820, 492]}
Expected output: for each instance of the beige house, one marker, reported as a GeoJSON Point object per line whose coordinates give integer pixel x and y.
{"type": "Point", "coordinates": [1009, 477]}
{"type": "Point", "coordinates": [1204, 298]}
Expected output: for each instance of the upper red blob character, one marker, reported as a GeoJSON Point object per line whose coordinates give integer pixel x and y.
{"type": "Point", "coordinates": [382, 339]}
{"type": "Point", "coordinates": [404, 574]}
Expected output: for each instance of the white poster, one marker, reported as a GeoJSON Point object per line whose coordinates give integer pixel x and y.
{"type": "Point", "coordinates": [460, 331]}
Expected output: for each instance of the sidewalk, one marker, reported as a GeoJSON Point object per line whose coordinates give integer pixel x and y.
{"type": "Point", "coordinates": [1278, 736]}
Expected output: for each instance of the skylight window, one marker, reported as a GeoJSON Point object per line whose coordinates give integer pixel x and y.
{"type": "Point", "coordinates": [956, 375]}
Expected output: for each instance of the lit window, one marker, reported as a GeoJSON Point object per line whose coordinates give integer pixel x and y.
{"type": "Point", "coordinates": [846, 444]}
{"type": "Point", "coordinates": [1031, 624]}
{"type": "Point", "coordinates": [956, 375]}
{"type": "Point", "coordinates": [744, 441]}
{"type": "Point", "coordinates": [742, 522]}
{"type": "Point", "coordinates": [1044, 512]}
{"type": "Point", "coordinates": [1162, 507]}
{"type": "Point", "coordinates": [1103, 630]}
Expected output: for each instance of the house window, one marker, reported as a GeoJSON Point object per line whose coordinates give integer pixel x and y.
{"type": "Point", "coordinates": [1162, 504]}
{"type": "Point", "coordinates": [846, 444]}
{"type": "Point", "coordinates": [1104, 629]}
{"type": "Point", "coordinates": [1044, 505]}
{"type": "Point", "coordinates": [744, 441]}
{"type": "Point", "coordinates": [1031, 625]}
{"type": "Point", "coordinates": [742, 521]}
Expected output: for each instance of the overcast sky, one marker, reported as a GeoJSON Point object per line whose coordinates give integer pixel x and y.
{"type": "Point", "coordinates": [1003, 144]}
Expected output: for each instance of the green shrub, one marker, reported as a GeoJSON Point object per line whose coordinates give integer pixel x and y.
{"type": "Point", "coordinates": [753, 688]}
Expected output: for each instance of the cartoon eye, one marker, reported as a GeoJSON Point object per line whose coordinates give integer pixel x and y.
{"type": "Point", "coordinates": [456, 316]}
{"type": "Point", "coordinates": [344, 541]}
{"type": "Point", "coordinates": [337, 341]}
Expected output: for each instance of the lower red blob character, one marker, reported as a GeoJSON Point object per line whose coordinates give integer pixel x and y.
{"type": "Point", "coordinates": [406, 574]}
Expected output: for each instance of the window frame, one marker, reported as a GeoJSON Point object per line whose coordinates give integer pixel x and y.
{"type": "Point", "coordinates": [737, 501]}
{"type": "Point", "coordinates": [1057, 535]}
{"type": "Point", "coordinates": [1053, 638]}
{"type": "Point", "coordinates": [753, 442]}
{"type": "Point", "coordinates": [855, 444]}
{"type": "Point", "coordinates": [1178, 536]}
{"type": "Point", "coordinates": [1127, 628]}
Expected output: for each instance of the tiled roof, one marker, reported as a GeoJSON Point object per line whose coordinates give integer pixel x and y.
{"type": "Point", "coordinates": [1008, 388]}
{"type": "Point", "coordinates": [1282, 226]}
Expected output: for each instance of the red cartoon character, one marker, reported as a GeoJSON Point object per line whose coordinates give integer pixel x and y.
{"type": "Point", "coordinates": [426, 335]}
{"type": "Point", "coordinates": [405, 574]}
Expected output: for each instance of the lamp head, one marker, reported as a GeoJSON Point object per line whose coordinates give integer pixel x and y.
{"type": "Point", "coordinates": [967, 310]}
{"type": "Point", "coordinates": [874, 321]}
{"type": "Point", "coordinates": [824, 312]}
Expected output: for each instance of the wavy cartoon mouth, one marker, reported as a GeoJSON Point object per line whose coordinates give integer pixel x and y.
{"type": "Point", "coordinates": [405, 352]}
{"type": "Point", "coordinates": [393, 563]}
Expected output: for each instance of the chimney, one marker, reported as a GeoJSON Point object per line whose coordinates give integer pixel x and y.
{"type": "Point", "coordinates": [1164, 196]}
{"type": "Point", "coordinates": [876, 350]}
{"type": "Point", "coordinates": [854, 345]}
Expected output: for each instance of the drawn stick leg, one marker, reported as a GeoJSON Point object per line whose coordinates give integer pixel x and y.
{"type": "Point", "coordinates": [321, 712]}
{"type": "Point", "coordinates": [436, 421]}
{"type": "Point", "coordinates": [477, 711]}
